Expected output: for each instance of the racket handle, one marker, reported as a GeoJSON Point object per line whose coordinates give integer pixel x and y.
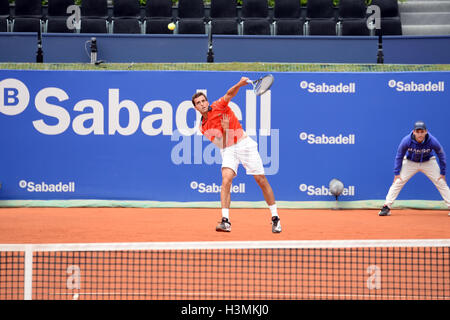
{"type": "Point", "coordinates": [249, 81]}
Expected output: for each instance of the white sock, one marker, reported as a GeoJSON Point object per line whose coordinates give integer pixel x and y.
{"type": "Point", "coordinates": [226, 213]}
{"type": "Point", "coordinates": [273, 210]}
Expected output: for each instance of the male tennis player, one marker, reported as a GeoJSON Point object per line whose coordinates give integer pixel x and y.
{"type": "Point", "coordinates": [418, 147]}
{"type": "Point", "coordinates": [220, 125]}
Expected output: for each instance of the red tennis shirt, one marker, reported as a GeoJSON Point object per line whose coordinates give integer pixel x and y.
{"type": "Point", "coordinates": [211, 127]}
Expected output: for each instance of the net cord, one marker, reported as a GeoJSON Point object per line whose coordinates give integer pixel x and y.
{"type": "Point", "coordinates": [211, 245]}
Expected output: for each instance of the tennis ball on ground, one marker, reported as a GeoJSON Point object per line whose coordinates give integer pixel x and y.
{"type": "Point", "coordinates": [171, 26]}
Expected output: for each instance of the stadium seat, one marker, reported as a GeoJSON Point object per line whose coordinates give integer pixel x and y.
{"type": "Point", "coordinates": [27, 17]}
{"type": "Point", "coordinates": [94, 16]}
{"type": "Point", "coordinates": [3, 24]}
{"type": "Point", "coordinates": [390, 17]}
{"type": "Point", "coordinates": [353, 27]}
{"type": "Point", "coordinates": [126, 16]}
{"type": "Point", "coordinates": [94, 25]}
{"type": "Point", "coordinates": [255, 17]}
{"type": "Point", "coordinates": [57, 16]}
{"type": "Point", "coordinates": [191, 17]}
{"type": "Point", "coordinates": [287, 18]}
{"type": "Point", "coordinates": [4, 15]}
{"type": "Point", "coordinates": [158, 14]}
{"type": "Point", "coordinates": [224, 19]}
{"type": "Point", "coordinates": [352, 18]}
{"type": "Point", "coordinates": [320, 18]}
{"type": "Point", "coordinates": [224, 26]}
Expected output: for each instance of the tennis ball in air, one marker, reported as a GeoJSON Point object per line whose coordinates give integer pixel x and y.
{"type": "Point", "coordinates": [171, 26]}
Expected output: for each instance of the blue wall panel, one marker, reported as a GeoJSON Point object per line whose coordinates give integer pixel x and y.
{"type": "Point", "coordinates": [131, 135]}
{"type": "Point", "coordinates": [21, 47]}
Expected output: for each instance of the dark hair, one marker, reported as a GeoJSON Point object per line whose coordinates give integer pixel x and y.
{"type": "Point", "coordinates": [196, 95]}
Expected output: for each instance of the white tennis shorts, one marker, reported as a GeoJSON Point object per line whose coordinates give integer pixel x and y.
{"type": "Point", "coordinates": [245, 152]}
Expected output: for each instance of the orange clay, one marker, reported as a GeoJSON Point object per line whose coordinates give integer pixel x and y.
{"type": "Point", "coordinates": [85, 225]}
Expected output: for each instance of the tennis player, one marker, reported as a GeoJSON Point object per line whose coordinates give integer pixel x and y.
{"type": "Point", "coordinates": [220, 125]}
{"type": "Point", "coordinates": [418, 146]}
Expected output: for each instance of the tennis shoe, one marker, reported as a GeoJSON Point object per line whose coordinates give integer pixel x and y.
{"type": "Point", "coordinates": [224, 226]}
{"type": "Point", "coordinates": [276, 225]}
{"type": "Point", "coordinates": [385, 211]}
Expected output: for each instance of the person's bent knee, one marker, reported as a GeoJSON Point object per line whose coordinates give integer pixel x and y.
{"type": "Point", "coordinates": [400, 182]}
{"type": "Point", "coordinates": [260, 179]}
{"type": "Point", "coordinates": [227, 176]}
{"type": "Point", "coordinates": [441, 183]}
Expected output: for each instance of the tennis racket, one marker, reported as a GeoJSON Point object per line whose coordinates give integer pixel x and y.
{"type": "Point", "coordinates": [262, 84]}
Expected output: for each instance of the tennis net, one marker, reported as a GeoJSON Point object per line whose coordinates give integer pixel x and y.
{"type": "Point", "coordinates": [265, 270]}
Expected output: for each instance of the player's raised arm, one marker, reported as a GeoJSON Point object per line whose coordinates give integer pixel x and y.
{"type": "Point", "coordinates": [235, 89]}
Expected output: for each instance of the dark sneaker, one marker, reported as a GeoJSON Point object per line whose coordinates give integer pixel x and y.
{"type": "Point", "coordinates": [276, 225]}
{"type": "Point", "coordinates": [385, 211]}
{"type": "Point", "coordinates": [224, 226]}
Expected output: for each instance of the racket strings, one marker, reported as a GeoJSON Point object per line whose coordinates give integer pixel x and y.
{"type": "Point", "coordinates": [258, 86]}
{"type": "Point", "coordinates": [263, 85]}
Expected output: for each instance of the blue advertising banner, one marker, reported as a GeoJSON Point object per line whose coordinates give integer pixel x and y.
{"type": "Point", "coordinates": [133, 135]}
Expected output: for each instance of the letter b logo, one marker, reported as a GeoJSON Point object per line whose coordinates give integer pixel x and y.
{"type": "Point", "coordinates": [10, 96]}
{"type": "Point", "coordinates": [14, 97]}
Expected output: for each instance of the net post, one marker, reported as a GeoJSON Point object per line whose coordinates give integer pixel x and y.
{"type": "Point", "coordinates": [28, 274]}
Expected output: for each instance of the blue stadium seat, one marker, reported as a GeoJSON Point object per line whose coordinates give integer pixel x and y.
{"type": "Point", "coordinates": [224, 18]}
{"type": "Point", "coordinates": [255, 17]}
{"type": "Point", "coordinates": [390, 17]}
{"type": "Point", "coordinates": [191, 17]}
{"type": "Point", "coordinates": [320, 18]}
{"type": "Point", "coordinates": [352, 18]}
{"type": "Point", "coordinates": [57, 16]}
{"type": "Point", "coordinates": [158, 14]}
{"type": "Point", "coordinates": [94, 16]}
{"type": "Point", "coordinates": [4, 15]}
{"type": "Point", "coordinates": [287, 18]}
{"type": "Point", "coordinates": [27, 17]}
{"type": "Point", "coordinates": [126, 17]}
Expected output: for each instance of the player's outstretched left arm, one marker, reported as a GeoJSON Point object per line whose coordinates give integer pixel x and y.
{"type": "Point", "coordinates": [235, 89]}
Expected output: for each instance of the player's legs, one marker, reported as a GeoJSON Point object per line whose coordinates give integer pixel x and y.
{"type": "Point", "coordinates": [227, 179]}
{"type": "Point", "coordinates": [230, 165]}
{"type": "Point", "coordinates": [270, 200]}
{"type": "Point", "coordinates": [409, 169]}
{"type": "Point", "coordinates": [266, 189]}
{"type": "Point", "coordinates": [432, 171]}
{"type": "Point", "coordinates": [248, 155]}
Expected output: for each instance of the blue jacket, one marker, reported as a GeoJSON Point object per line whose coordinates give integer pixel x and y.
{"type": "Point", "coordinates": [419, 152]}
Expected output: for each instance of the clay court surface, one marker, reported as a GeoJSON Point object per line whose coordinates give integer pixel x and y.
{"type": "Point", "coordinates": [86, 225]}
{"type": "Point", "coordinates": [408, 273]}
